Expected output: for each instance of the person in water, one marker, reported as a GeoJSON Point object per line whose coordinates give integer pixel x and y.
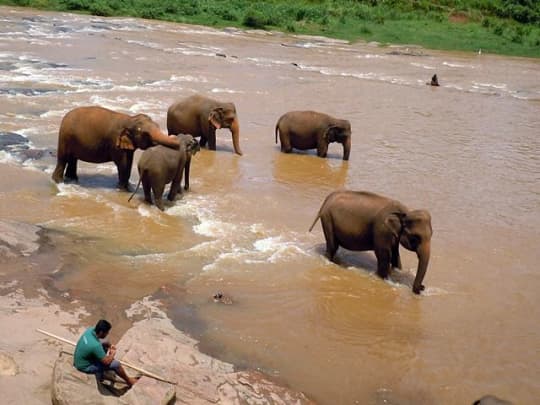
{"type": "Point", "coordinates": [94, 355]}
{"type": "Point", "coordinates": [434, 81]}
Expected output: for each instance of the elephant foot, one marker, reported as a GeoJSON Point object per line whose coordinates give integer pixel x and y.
{"type": "Point", "coordinates": [418, 290]}
{"type": "Point", "coordinates": [68, 179]}
{"type": "Point", "coordinates": [124, 187]}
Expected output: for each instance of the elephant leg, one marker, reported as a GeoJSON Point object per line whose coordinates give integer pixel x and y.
{"type": "Point", "coordinates": [383, 262]}
{"type": "Point", "coordinates": [124, 170]}
{"type": "Point", "coordinates": [58, 174]}
{"type": "Point", "coordinates": [322, 149]}
{"type": "Point", "coordinates": [147, 190]}
{"type": "Point", "coordinates": [396, 259]}
{"type": "Point", "coordinates": [71, 171]}
{"type": "Point", "coordinates": [186, 169]}
{"type": "Point", "coordinates": [331, 241]}
{"type": "Point", "coordinates": [174, 190]}
{"type": "Point", "coordinates": [212, 140]}
{"type": "Point", "coordinates": [158, 195]}
{"type": "Point", "coordinates": [285, 142]}
{"type": "Point", "coordinates": [203, 140]}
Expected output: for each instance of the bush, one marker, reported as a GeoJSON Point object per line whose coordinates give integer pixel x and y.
{"type": "Point", "coordinates": [254, 19]}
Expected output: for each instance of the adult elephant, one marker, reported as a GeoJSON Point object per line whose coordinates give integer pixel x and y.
{"type": "Point", "coordinates": [97, 135]}
{"type": "Point", "coordinates": [313, 130]}
{"type": "Point", "coordinates": [200, 116]}
{"type": "Point", "coordinates": [359, 220]}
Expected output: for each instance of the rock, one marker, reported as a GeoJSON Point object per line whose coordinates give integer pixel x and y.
{"type": "Point", "coordinates": [71, 387]}
{"type": "Point", "coordinates": [17, 238]}
{"type": "Point", "coordinates": [157, 347]}
{"type": "Point", "coordinates": [491, 400]}
{"type": "Point", "coordinates": [7, 365]}
{"type": "Point", "coordinates": [11, 138]}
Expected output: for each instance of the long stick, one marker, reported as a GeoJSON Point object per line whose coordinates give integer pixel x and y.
{"type": "Point", "coordinates": [125, 363]}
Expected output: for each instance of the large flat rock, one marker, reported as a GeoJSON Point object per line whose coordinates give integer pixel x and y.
{"type": "Point", "coordinates": [156, 346]}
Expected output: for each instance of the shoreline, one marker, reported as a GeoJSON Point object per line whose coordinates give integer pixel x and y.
{"type": "Point", "coordinates": [470, 31]}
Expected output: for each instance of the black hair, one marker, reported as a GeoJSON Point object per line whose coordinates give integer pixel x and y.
{"type": "Point", "coordinates": [102, 326]}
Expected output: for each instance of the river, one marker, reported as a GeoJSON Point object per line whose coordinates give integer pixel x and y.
{"type": "Point", "coordinates": [467, 151]}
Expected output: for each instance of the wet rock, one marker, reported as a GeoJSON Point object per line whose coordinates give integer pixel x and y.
{"type": "Point", "coordinates": [71, 387]}
{"type": "Point", "coordinates": [11, 138]}
{"type": "Point", "coordinates": [7, 365]}
{"type": "Point", "coordinates": [158, 347]}
{"type": "Point", "coordinates": [18, 239]}
{"type": "Point", "coordinates": [491, 400]}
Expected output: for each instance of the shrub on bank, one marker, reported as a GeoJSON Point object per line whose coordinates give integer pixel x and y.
{"type": "Point", "coordinates": [424, 22]}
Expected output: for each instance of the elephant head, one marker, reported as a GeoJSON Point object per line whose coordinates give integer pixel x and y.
{"type": "Point", "coordinates": [224, 116]}
{"type": "Point", "coordinates": [413, 229]}
{"type": "Point", "coordinates": [340, 131]}
{"type": "Point", "coordinates": [140, 131]}
{"type": "Point", "coordinates": [191, 144]}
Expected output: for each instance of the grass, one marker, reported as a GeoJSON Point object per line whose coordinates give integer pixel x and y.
{"type": "Point", "coordinates": [508, 27]}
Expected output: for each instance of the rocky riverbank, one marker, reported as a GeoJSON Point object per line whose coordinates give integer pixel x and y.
{"type": "Point", "coordinates": [27, 357]}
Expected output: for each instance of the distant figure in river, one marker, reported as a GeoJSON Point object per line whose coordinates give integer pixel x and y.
{"type": "Point", "coordinates": [434, 81]}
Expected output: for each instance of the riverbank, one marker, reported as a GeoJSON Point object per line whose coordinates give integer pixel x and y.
{"type": "Point", "coordinates": [491, 27]}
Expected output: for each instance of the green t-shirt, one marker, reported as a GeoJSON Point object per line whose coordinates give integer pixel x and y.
{"type": "Point", "coordinates": [88, 350]}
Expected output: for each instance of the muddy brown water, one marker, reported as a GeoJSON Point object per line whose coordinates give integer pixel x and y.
{"type": "Point", "coordinates": [468, 151]}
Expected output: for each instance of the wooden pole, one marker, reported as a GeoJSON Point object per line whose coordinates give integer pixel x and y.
{"type": "Point", "coordinates": [125, 363]}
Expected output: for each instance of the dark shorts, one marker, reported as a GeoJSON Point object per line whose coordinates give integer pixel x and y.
{"type": "Point", "coordinates": [99, 368]}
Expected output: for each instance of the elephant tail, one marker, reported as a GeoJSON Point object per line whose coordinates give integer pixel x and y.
{"type": "Point", "coordinates": [315, 221]}
{"type": "Point", "coordinates": [136, 188]}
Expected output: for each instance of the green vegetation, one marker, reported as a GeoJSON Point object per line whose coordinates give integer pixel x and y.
{"type": "Point", "coordinates": [510, 27]}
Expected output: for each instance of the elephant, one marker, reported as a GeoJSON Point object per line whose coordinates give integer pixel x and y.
{"type": "Point", "coordinates": [160, 165]}
{"type": "Point", "coordinates": [491, 400]}
{"type": "Point", "coordinates": [200, 116]}
{"type": "Point", "coordinates": [310, 129]}
{"type": "Point", "coordinates": [97, 135]}
{"type": "Point", "coordinates": [360, 220]}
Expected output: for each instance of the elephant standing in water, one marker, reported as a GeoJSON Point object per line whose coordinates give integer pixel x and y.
{"type": "Point", "coordinates": [201, 116]}
{"type": "Point", "coordinates": [310, 129]}
{"type": "Point", "coordinates": [359, 220]}
{"type": "Point", "coordinates": [97, 135]}
{"type": "Point", "coordinates": [160, 165]}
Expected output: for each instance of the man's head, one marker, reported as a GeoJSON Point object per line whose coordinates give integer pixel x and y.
{"type": "Point", "coordinates": [102, 328]}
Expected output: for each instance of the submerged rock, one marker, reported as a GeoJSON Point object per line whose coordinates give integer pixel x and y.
{"type": "Point", "coordinates": [157, 347]}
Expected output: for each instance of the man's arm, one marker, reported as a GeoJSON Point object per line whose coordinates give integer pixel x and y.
{"type": "Point", "coordinates": [109, 357]}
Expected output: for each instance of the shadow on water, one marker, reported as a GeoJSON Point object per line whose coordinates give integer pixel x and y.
{"type": "Point", "coordinates": [365, 261]}
{"type": "Point", "coordinates": [310, 170]}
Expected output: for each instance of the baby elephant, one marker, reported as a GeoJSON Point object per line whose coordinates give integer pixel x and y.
{"type": "Point", "coordinates": [160, 165]}
{"type": "Point", "coordinates": [313, 130]}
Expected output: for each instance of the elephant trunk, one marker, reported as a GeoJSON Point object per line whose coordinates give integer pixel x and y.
{"type": "Point", "coordinates": [165, 140]}
{"type": "Point", "coordinates": [235, 131]}
{"type": "Point", "coordinates": [423, 253]}
{"type": "Point", "coordinates": [347, 148]}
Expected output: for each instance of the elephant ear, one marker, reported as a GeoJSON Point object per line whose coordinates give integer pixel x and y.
{"type": "Point", "coordinates": [215, 117]}
{"type": "Point", "coordinates": [330, 133]}
{"type": "Point", "coordinates": [124, 141]}
{"type": "Point", "coordinates": [394, 222]}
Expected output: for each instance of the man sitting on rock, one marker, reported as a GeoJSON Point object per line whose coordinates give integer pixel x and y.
{"type": "Point", "coordinates": [94, 355]}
